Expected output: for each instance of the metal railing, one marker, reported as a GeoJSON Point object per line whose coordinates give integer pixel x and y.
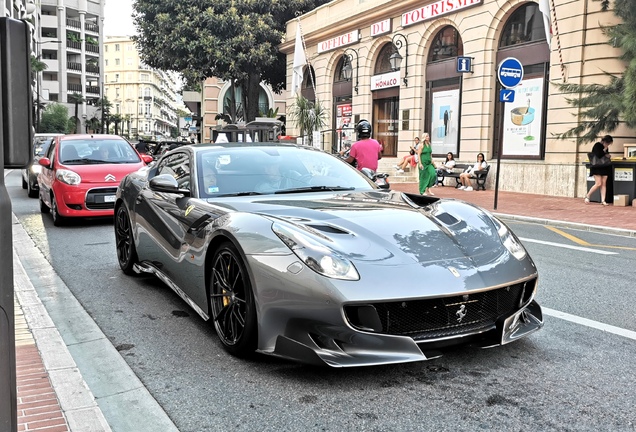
{"type": "Point", "coordinates": [73, 23]}
{"type": "Point", "coordinates": [92, 68]}
{"type": "Point", "coordinates": [92, 48]}
{"type": "Point", "coordinates": [92, 89]}
{"type": "Point", "coordinates": [77, 88]}
{"type": "Point", "coordinates": [91, 27]}
{"type": "Point", "coordinates": [74, 66]}
{"type": "Point", "coordinates": [74, 45]}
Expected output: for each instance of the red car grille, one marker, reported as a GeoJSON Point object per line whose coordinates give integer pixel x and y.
{"type": "Point", "coordinates": [98, 199]}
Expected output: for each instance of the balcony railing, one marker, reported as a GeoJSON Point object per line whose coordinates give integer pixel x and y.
{"type": "Point", "coordinates": [91, 27]}
{"type": "Point", "coordinates": [92, 89]}
{"type": "Point", "coordinates": [74, 45]}
{"type": "Point", "coordinates": [92, 48]}
{"type": "Point", "coordinates": [73, 23]}
{"type": "Point", "coordinates": [74, 66]}
{"type": "Point", "coordinates": [76, 88]}
{"type": "Point", "coordinates": [92, 68]}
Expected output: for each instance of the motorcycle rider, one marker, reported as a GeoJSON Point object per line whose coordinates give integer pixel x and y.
{"type": "Point", "coordinates": [366, 151]}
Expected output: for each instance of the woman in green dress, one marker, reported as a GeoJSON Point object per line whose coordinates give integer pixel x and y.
{"type": "Point", "coordinates": [428, 175]}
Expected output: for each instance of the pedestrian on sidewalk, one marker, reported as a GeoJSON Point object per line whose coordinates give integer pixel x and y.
{"type": "Point", "coordinates": [600, 172]}
{"type": "Point", "coordinates": [427, 174]}
{"type": "Point", "coordinates": [465, 177]}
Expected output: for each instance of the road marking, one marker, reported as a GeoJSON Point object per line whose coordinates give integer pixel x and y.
{"type": "Point", "coordinates": [590, 323]}
{"type": "Point", "coordinates": [583, 242]}
{"type": "Point", "coordinates": [569, 236]}
{"type": "Point", "coordinates": [579, 248]}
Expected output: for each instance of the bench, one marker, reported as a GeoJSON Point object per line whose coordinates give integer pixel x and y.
{"type": "Point", "coordinates": [480, 176]}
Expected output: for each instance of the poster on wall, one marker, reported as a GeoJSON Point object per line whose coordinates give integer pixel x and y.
{"type": "Point", "coordinates": [344, 127]}
{"type": "Point", "coordinates": [445, 113]}
{"type": "Point", "coordinates": [523, 119]}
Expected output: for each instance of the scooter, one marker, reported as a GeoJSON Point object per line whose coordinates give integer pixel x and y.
{"type": "Point", "coordinates": [380, 179]}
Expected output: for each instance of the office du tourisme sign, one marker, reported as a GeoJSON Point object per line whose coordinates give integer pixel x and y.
{"type": "Point", "coordinates": [436, 9]}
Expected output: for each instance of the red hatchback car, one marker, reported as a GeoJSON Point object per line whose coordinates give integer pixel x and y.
{"type": "Point", "coordinates": [80, 175]}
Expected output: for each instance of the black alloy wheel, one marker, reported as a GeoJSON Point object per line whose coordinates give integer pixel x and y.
{"type": "Point", "coordinates": [124, 242]}
{"type": "Point", "coordinates": [58, 219]}
{"type": "Point", "coordinates": [232, 302]}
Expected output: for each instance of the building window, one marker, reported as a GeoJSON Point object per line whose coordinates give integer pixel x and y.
{"type": "Point", "coordinates": [116, 62]}
{"type": "Point", "coordinates": [129, 62]}
{"type": "Point", "coordinates": [117, 92]}
{"type": "Point", "coordinates": [129, 47]}
{"type": "Point", "coordinates": [105, 48]}
{"type": "Point", "coordinates": [116, 77]}
{"type": "Point", "coordinates": [446, 44]}
{"type": "Point", "coordinates": [525, 25]}
{"type": "Point", "coordinates": [144, 77]}
{"type": "Point", "coordinates": [106, 62]}
{"type": "Point", "coordinates": [382, 65]}
{"type": "Point", "coordinates": [117, 108]}
{"type": "Point", "coordinates": [116, 47]}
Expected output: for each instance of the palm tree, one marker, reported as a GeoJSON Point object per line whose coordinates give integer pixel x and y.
{"type": "Point", "coordinates": [308, 116]}
{"type": "Point", "coordinates": [76, 99]}
{"type": "Point", "coordinates": [117, 119]}
{"type": "Point", "coordinates": [104, 106]}
{"type": "Point", "coordinates": [37, 67]}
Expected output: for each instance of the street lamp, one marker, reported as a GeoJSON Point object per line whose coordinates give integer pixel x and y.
{"type": "Point", "coordinates": [395, 59]}
{"type": "Point", "coordinates": [347, 70]}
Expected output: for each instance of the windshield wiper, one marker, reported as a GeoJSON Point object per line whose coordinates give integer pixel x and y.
{"type": "Point", "coordinates": [237, 194]}
{"type": "Point", "coordinates": [315, 189]}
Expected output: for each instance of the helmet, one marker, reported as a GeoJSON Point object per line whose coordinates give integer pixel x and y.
{"type": "Point", "coordinates": [363, 128]}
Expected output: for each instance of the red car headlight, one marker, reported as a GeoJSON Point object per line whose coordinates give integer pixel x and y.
{"type": "Point", "coordinates": [68, 177]}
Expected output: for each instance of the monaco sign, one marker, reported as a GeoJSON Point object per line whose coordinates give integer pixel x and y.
{"type": "Point", "coordinates": [387, 80]}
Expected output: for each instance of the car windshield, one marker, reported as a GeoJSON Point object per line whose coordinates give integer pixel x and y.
{"type": "Point", "coordinates": [97, 151]}
{"type": "Point", "coordinates": [273, 170]}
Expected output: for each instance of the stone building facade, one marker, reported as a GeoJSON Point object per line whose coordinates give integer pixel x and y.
{"type": "Point", "coordinates": [447, 83]}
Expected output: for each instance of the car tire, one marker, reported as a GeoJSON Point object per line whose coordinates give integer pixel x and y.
{"type": "Point", "coordinates": [232, 302]}
{"type": "Point", "coordinates": [124, 241]}
{"type": "Point", "coordinates": [43, 207]}
{"type": "Point", "coordinates": [32, 193]}
{"type": "Point", "coordinates": [58, 219]}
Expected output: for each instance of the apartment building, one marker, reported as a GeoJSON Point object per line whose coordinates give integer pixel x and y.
{"type": "Point", "coordinates": [146, 98]}
{"type": "Point", "coordinates": [69, 40]}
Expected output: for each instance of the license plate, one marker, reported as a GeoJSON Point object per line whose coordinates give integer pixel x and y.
{"type": "Point", "coordinates": [109, 198]}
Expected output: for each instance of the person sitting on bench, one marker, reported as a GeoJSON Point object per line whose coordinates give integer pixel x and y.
{"type": "Point", "coordinates": [465, 177]}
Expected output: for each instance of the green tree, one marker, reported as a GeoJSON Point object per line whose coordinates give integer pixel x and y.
{"type": "Point", "coordinates": [116, 119]}
{"type": "Point", "coordinates": [604, 106]}
{"type": "Point", "coordinates": [103, 109]}
{"type": "Point", "coordinates": [37, 67]}
{"type": "Point", "coordinates": [54, 119]}
{"type": "Point", "coordinates": [76, 99]}
{"type": "Point", "coordinates": [308, 116]}
{"type": "Point", "coordinates": [223, 38]}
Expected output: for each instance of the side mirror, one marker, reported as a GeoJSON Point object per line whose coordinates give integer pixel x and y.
{"type": "Point", "coordinates": [45, 162]}
{"type": "Point", "coordinates": [146, 158]}
{"type": "Point", "coordinates": [168, 184]}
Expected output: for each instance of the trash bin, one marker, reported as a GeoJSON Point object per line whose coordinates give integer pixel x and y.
{"type": "Point", "coordinates": [624, 179]}
{"type": "Point", "coordinates": [596, 196]}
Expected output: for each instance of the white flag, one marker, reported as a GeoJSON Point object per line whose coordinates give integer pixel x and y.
{"type": "Point", "coordinates": [544, 7]}
{"type": "Point", "coordinates": [299, 62]}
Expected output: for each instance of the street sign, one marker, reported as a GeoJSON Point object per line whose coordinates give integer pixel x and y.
{"type": "Point", "coordinates": [188, 119]}
{"type": "Point", "coordinates": [464, 64]}
{"type": "Point", "coordinates": [510, 72]}
{"type": "Point", "coordinates": [506, 95]}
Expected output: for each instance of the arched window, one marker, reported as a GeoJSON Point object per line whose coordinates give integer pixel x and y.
{"type": "Point", "coordinates": [446, 44]}
{"type": "Point", "coordinates": [382, 65]}
{"type": "Point", "coordinates": [525, 25]}
{"type": "Point", "coordinates": [307, 87]}
{"type": "Point", "coordinates": [339, 76]}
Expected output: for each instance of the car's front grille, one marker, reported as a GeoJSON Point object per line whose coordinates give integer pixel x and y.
{"type": "Point", "coordinates": [100, 198]}
{"type": "Point", "coordinates": [446, 316]}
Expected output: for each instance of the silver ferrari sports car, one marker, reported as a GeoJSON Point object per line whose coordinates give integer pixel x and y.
{"type": "Point", "coordinates": [290, 251]}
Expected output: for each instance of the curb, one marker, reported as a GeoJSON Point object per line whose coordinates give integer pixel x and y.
{"type": "Point", "coordinates": [96, 388]}
{"type": "Point", "coordinates": [572, 225]}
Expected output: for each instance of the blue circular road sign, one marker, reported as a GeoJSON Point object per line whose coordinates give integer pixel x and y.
{"type": "Point", "coordinates": [510, 72]}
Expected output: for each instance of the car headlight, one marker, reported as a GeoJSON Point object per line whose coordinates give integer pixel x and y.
{"type": "Point", "coordinates": [509, 241]}
{"type": "Point", "coordinates": [36, 169]}
{"type": "Point", "coordinates": [317, 256]}
{"type": "Point", "coordinates": [68, 177]}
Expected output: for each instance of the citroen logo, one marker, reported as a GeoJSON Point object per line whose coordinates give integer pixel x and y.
{"type": "Point", "coordinates": [110, 177]}
{"type": "Point", "coordinates": [454, 271]}
{"type": "Point", "coordinates": [461, 313]}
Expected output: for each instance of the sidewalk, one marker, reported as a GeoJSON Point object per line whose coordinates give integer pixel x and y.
{"type": "Point", "coordinates": [57, 395]}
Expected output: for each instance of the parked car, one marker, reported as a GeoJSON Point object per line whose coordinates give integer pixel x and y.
{"type": "Point", "coordinates": [41, 142]}
{"type": "Point", "coordinates": [80, 175]}
{"type": "Point", "coordinates": [292, 252]}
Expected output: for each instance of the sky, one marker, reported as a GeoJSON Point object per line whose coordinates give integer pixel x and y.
{"type": "Point", "coordinates": [118, 18]}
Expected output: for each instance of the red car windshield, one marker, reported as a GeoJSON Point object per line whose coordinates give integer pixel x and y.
{"type": "Point", "coordinates": [96, 151]}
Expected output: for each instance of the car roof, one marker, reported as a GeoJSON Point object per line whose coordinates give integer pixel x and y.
{"type": "Point", "coordinates": [207, 146]}
{"type": "Point", "coordinates": [91, 136]}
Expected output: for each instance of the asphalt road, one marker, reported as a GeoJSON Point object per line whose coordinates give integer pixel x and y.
{"type": "Point", "coordinates": [575, 374]}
